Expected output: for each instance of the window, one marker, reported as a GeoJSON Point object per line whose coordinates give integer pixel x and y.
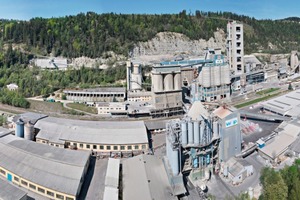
{"type": "Point", "coordinates": [50, 193]}
{"type": "Point", "coordinates": [57, 145]}
{"type": "Point", "coordinates": [58, 196]}
{"type": "Point", "coordinates": [143, 146]}
{"type": "Point", "coordinates": [87, 146]}
{"type": "Point", "coordinates": [101, 147]}
{"type": "Point", "coordinates": [136, 147]}
{"type": "Point", "coordinates": [32, 186]}
{"type": "Point", "coordinates": [41, 190]}
{"type": "Point", "coordinates": [69, 198]}
{"type": "Point", "coordinates": [129, 147]}
{"type": "Point", "coordinates": [115, 147]}
{"type": "Point", "coordinates": [16, 178]}
{"type": "Point", "coordinates": [122, 147]}
{"type": "Point", "coordinates": [75, 144]}
{"type": "Point", "coordinates": [94, 146]}
{"type": "Point", "coordinates": [2, 171]}
{"type": "Point", "coordinates": [107, 147]}
{"type": "Point", "coordinates": [24, 182]}
{"type": "Point", "coordinates": [81, 145]}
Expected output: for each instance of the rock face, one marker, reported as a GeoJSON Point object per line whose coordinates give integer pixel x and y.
{"type": "Point", "coordinates": [169, 43]}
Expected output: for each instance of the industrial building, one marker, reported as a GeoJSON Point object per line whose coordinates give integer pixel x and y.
{"type": "Point", "coordinates": [204, 138]}
{"type": "Point", "coordinates": [10, 192]}
{"type": "Point", "coordinates": [104, 137]}
{"type": "Point", "coordinates": [111, 190]}
{"type": "Point", "coordinates": [134, 76]}
{"type": "Point", "coordinates": [112, 108]}
{"type": "Point", "coordinates": [52, 172]}
{"type": "Point", "coordinates": [104, 94]}
{"type": "Point", "coordinates": [144, 177]}
{"type": "Point", "coordinates": [143, 96]}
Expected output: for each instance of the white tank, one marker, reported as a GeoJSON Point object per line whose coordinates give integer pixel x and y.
{"type": "Point", "coordinates": [28, 131]}
{"type": "Point", "coordinates": [202, 133]}
{"type": "Point", "coordinates": [206, 79]}
{"type": "Point", "coordinates": [157, 82]}
{"type": "Point", "coordinates": [136, 69]}
{"type": "Point", "coordinates": [168, 82]}
{"type": "Point", "coordinates": [216, 129]}
{"type": "Point", "coordinates": [136, 82]}
{"type": "Point", "coordinates": [177, 81]}
{"type": "Point", "coordinates": [184, 133]}
{"type": "Point", "coordinates": [217, 76]}
{"type": "Point", "coordinates": [226, 74]}
{"type": "Point", "coordinates": [190, 133]}
{"type": "Point", "coordinates": [196, 133]}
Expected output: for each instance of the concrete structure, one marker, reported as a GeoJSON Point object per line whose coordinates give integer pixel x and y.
{"type": "Point", "coordinates": [10, 192]}
{"type": "Point", "coordinates": [52, 172]}
{"type": "Point", "coordinates": [285, 105]}
{"type": "Point", "coordinates": [12, 87]}
{"type": "Point", "coordinates": [294, 62]}
{"type": "Point", "coordinates": [139, 96]}
{"type": "Point", "coordinates": [111, 108]}
{"type": "Point", "coordinates": [107, 94]}
{"type": "Point", "coordinates": [235, 47]}
{"type": "Point", "coordinates": [134, 76]}
{"type": "Point", "coordinates": [144, 177]}
{"type": "Point", "coordinates": [98, 136]}
{"type": "Point", "coordinates": [51, 63]}
{"type": "Point", "coordinates": [111, 191]}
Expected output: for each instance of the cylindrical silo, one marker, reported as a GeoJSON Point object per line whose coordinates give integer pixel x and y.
{"type": "Point", "coordinates": [226, 74]}
{"type": "Point", "coordinates": [216, 129]}
{"type": "Point", "coordinates": [157, 82]}
{"type": "Point", "coordinates": [217, 76]}
{"type": "Point", "coordinates": [173, 157]}
{"type": "Point", "coordinates": [136, 82]}
{"type": "Point", "coordinates": [206, 77]}
{"type": "Point", "coordinates": [196, 133]}
{"type": "Point", "coordinates": [190, 133]}
{"type": "Point", "coordinates": [20, 128]}
{"type": "Point", "coordinates": [202, 129]}
{"type": "Point", "coordinates": [247, 67]}
{"type": "Point", "coordinates": [184, 133]}
{"type": "Point", "coordinates": [168, 82]}
{"type": "Point", "coordinates": [177, 81]}
{"type": "Point", "coordinates": [28, 131]}
{"type": "Point", "coordinates": [136, 68]}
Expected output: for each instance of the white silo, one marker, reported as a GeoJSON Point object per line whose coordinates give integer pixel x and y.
{"type": "Point", "coordinates": [206, 78]}
{"type": "Point", "coordinates": [196, 133]}
{"type": "Point", "coordinates": [184, 133]}
{"type": "Point", "coordinates": [216, 129]}
{"type": "Point", "coordinates": [157, 82]}
{"type": "Point", "coordinates": [28, 131]}
{"type": "Point", "coordinates": [202, 129]}
{"type": "Point", "coordinates": [217, 76]}
{"type": "Point", "coordinates": [168, 82]}
{"type": "Point", "coordinates": [177, 81]}
{"type": "Point", "coordinates": [190, 133]}
{"type": "Point", "coordinates": [226, 74]}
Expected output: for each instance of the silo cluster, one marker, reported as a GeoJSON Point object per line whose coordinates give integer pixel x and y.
{"type": "Point", "coordinates": [24, 130]}
{"type": "Point", "coordinates": [166, 82]}
{"type": "Point", "coordinates": [211, 76]}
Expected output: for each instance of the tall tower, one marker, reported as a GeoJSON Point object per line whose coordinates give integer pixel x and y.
{"type": "Point", "coordinates": [235, 47]}
{"type": "Point", "coordinates": [134, 76]}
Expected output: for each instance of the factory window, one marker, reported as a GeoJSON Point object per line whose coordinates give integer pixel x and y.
{"type": "Point", "coordinates": [57, 145]}
{"type": "Point", "coordinates": [143, 146]}
{"type": "Point", "coordinates": [2, 172]}
{"type": "Point", "coordinates": [32, 186]}
{"type": "Point", "coordinates": [58, 196]}
{"type": "Point", "coordinates": [41, 190]}
{"type": "Point", "coordinates": [69, 198]}
{"type": "Point", "coordinates": [81, 145]}
{"type": "Point", "coordinates": [16, 178]}
{"type": "Point", "coordinates": [101, 147]}
{"type": "Point", "coordinates": [107, 147]}
{"type": "Point", "coordinates": [24, 182]}
{"type": "Point", "coordinates": [129, 147]}
{"type": "Point", "coordinates": [50, 193]}
{"type": "Point", "coordinates": [87, 146]}
{"type": "Point", "coordinates": [115, 147]}
{"type": "Point", "coordinates": [94, 146]}
{"type": "Point", "coordinates": [122, 147]}
{"type": "Point", "coordinates": [136, 147]}
{"type": "Point", "coordinates": [75, 144]}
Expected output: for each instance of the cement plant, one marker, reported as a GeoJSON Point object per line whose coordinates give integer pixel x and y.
{"type": "Point", "coordinates": [203, 129]}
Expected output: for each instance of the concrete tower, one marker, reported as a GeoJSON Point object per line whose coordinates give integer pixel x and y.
{"type": "Point", "coordinates": [235, 47]}
{"type": "Point", "coordinates": [134, 76]}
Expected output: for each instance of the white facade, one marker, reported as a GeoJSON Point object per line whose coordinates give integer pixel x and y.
{"type": "Point", "coordinates": [108, 108]}
{"type": "Point", "coordinates": [12, 87]}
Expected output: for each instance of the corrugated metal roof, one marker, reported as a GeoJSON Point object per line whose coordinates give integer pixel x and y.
{"type": "Point", "coordinates": [112, 173]}
{"type": "Point", "coordinates": [4, 132]}
{"type": "Point", "coordinates": [54, 168]}
{"type": "Point", "coordinates": [93, 132]}
{"type": "Point", "coordinates": [29, 117]}
{"type": "Point", "coordinates": [111, 193]}
{"type": "Point", "coordinates": [10, 192]}
{"type": "Point", "coordinates": [144, 177]}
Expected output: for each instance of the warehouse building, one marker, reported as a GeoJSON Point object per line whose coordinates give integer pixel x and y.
{"type": "Point", "coordinates": [144, 177]}
{"type": "Point", "coordinates": [11, 192]}
{"type": "Point", "coordinates": [98, 136]}
{"type": "Point", "coordinates": [52, 172]}
{"type": "Point", "coordinates": [104, 94]}
{"type": "Point", "coordinates": [111, 190]}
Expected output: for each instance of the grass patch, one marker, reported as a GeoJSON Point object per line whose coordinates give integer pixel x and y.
{"type": "Point", "coordinates": [82, 107]}
{"type": "Point", "coordinates": [248, 103]}
{"type": "Point", "coordinates": [44, 106]}
{"type": "Point", "coordinates": [267, 91]}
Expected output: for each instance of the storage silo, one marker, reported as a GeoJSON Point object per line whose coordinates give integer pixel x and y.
{"type": "Point", "coordinates": [190, 133]}
{"type": "Point", "coordinates": [216, 129]}
{"type": "Point", "coordinates": [20, 128]}
{"type": "Point", "coordinates": [196, 133]}
{"type": "Point", "coordinates": [202, 129]}
{"type": "Point", "coordinates": [157, 82]}
{"type": "Point", "coordinates": [173, 157]}
{"type": "Point", "coordinates": [168, 82]}
{"type": "Point", "coordinates": [28, 131]}
{"type": "Point", "coordinates": [226, 74]}
{"type": "Point", "coordinates": [184, 133]}
{"type": "Point", "coordinates": [206, 79]}
{"type": "Point", "coordinates": [177, 81]}
{"type": "Point", "coordinates": [217, 76]}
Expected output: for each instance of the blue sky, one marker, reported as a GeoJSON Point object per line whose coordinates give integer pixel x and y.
{"type": "Point", "coordinates": [260, 9]}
